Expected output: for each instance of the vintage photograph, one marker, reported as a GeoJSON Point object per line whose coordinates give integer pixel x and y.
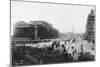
{"type": "Point", "coordinates": [51, 33]}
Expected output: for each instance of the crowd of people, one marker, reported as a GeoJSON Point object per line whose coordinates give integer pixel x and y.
{"type": "Point", "coordinates": [70, 49]}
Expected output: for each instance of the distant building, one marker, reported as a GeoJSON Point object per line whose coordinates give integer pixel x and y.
{"type": "Point", "coordinates": [90, 27]}
{"type": "Point", "coordinates": [35, 30]}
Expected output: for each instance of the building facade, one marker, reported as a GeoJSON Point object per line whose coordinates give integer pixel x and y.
{"type": "Point", "coordinates": [36, 30]}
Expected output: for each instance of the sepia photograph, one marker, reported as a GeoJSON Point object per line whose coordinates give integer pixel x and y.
{"type": "Point", "coordinates": [51, 33]}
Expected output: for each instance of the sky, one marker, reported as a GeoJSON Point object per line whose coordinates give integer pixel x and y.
{"type": "Point", "coordinates": [65, 18]}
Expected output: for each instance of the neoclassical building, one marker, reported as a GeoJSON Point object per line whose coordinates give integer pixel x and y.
{"type": "Point", "coordinates": [35, 30]}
